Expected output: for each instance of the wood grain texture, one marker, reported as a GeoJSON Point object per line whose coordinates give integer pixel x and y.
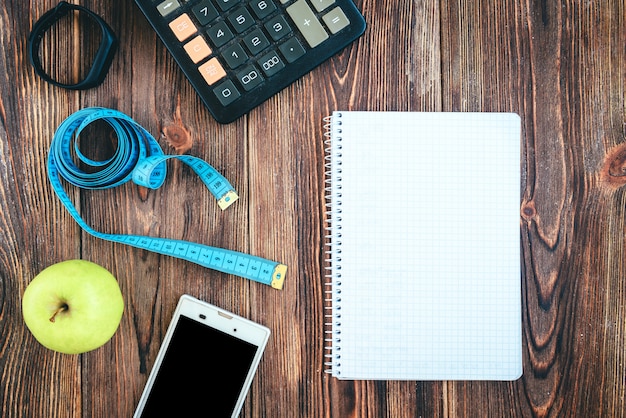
{"type": "Point", "coordinates": [560, 65]}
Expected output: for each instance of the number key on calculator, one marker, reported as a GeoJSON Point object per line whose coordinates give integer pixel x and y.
{"type": "Point", "coordinates": [238, 53]}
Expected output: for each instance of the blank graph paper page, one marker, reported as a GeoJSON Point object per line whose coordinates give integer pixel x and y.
{"type": "Point", "coordinates": [424, 237]}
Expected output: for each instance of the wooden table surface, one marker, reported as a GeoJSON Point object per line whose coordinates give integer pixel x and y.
{"type": "Point", "coordinates": [560, 65]}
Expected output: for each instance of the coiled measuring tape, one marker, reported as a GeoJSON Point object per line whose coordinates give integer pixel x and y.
{"type": "Point", "coordinates": [139, 158]}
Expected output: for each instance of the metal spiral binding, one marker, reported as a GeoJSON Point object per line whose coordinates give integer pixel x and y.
{"type": "Point", "coordinates": [332, 305]}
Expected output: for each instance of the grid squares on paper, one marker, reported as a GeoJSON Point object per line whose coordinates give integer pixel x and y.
{"type": "Point", "coordinates": [430, 286]}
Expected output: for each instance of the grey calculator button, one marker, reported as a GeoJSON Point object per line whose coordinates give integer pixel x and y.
{"type": "Point", "coordinates": [336, 20]}
{"type": "Point", "coordinates": [307, 23]}
{"type": "Point", "coordinates": [167, 7]}
{"type": "Point", "coordinates": [321, 5]}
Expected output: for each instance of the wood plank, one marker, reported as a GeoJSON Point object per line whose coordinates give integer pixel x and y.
{"type": "Point", "coordinates": [544, 61]}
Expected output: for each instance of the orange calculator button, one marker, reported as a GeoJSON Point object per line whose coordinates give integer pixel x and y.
{"type": "Point", "coordinates": [197, 49]}
{"type": "Point", "coordinates": [212, 71]}
{"type": "Point", "coordinates": [183, 27]}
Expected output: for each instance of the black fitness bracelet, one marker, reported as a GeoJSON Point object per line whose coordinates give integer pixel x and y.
{"type": "Point", "coordinates": [101, 62]}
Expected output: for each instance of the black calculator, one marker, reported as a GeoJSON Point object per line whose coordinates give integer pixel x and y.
{"type": "Point", "coordinates": [239, 53]}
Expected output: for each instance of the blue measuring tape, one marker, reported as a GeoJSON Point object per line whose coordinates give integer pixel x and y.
{"type": "Point", "coordinates": [139, 158]}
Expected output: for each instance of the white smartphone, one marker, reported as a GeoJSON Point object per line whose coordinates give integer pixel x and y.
{"type": "Point", "coordinates": [205, 364]}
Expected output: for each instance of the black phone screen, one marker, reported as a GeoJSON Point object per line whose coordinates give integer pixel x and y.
{"type": "Point", "coordinates": [201, 374]}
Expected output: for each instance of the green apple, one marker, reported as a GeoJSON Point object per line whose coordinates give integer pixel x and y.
{"type": "Point", "coordinates": [73, 306]}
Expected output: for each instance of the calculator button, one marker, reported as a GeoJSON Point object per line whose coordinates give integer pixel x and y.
{"type": "Point", "coordinates": [256, 42]}
{"type": "Point", "coordinates": [277, 27]}
{"type": "Point", "coordinates": [205, 12]}
{"type": "Point", "coordinates": [212, 71]}
{"type": "Point", "coordinates": [220, 33]}
{"type": "Point", "coordinates": [249, 78]}
{"type": "Point", "coordinates": [168, 7]}
{"type": "Point", "coordinates": [226, 4]}
{"type": "Point", "coordinates": [197, 49]}
{"type": "Point", "coordinates": [307, 23]}
{"type": "Point", "coordinates": [271, 63]}
{"type": "Point", "coordinates": [321, 5]}
{"type": "Point", "coordinates": [234, 56]}
{"type": "Point", "coordinates": [241, 20]}
{"type": "Point", "coordinates": [262, 8]}
{"type": "Point", "coordinates": [226, 93]}
{"type": "Point", "coordinates": [183, 27]}
{"type": "Point", "coordinates": [292, 50]}
{"type": "Point", "coordinates": [336, 20]}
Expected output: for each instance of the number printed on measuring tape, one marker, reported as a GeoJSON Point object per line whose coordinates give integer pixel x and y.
{"type": "Point", "coordinates": [140, 158]}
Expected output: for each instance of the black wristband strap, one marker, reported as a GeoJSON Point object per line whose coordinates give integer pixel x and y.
{"type": "Point", "coordinates": [102, 60]}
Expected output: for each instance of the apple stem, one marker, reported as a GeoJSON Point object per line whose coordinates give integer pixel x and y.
{"type": "Point", "coordinates": [62, 308]}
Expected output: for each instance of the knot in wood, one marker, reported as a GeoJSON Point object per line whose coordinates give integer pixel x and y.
{"type": "Point", "coordinates": [528, 210]}
{"type": "Point", "coordinates": [614, 168]}
{"type": "Point", "coordinates": [178, 138]}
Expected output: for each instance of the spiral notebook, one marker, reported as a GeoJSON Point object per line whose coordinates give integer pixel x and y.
{"type": "Point", "coordinates": [423, 240]}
